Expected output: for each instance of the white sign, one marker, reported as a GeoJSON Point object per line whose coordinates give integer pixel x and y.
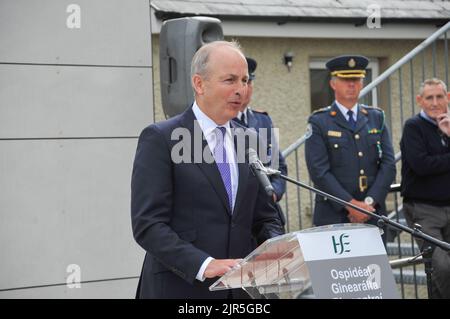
{"type": "Point", "coordinates": [347, 262]}
{"type": "Point", "coordinates": [345, 243]}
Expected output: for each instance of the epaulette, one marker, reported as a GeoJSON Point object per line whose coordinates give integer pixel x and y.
{"type": "Point", "coordinates": [372, 107]}
{"type": "Point", "coordinates": [324, 109]}
{"type": "Point", "coordinates": [260, 111]}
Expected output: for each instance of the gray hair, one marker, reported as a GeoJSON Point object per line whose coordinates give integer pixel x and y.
{"type": "Point", "coordinates": [200, 60]}
{"type": "Point", "coordinates": [432, 81]}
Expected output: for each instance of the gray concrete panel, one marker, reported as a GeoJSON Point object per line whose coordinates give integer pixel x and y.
{"type": "Point", "coordinates": [41, 101]}
{"type": "Point", "coordinates": [87, 32]}
{"type": "Point", "coordinates": [116, 289]}
{"type": "Point", "coordinates": [66, 202]}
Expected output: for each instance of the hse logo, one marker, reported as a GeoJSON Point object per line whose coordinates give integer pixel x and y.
{"type": "Point", "coordinates": [340, 244]}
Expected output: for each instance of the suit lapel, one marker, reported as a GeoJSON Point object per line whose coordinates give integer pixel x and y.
{"type": "Point", "coordinates": [210, 170]}
{"type": "Point", "coordinates": [361, 121]}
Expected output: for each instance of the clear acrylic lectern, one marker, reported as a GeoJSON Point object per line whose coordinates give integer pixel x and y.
{"type": "Point", "coordinates": [333, 261]}
{"type": "Point", "coordinates": [276, 269]}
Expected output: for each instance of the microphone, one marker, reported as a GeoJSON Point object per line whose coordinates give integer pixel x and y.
{"type": "Point", "coordinates": [260, 171]}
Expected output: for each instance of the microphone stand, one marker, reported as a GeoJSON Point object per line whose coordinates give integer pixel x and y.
{"type": "Point", "coordinates": [430, 243]}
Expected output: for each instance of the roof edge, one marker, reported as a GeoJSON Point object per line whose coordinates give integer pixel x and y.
{"type": "Point", "coordinates": [167, 15]}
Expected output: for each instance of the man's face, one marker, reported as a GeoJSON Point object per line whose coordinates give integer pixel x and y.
{"type": "Point", "coordinates": [248, 96]}
{"type": "Point", "coordinates": [434, 100]}
{"type": "Point", "coordinates": [222, 92]}
{"type": "Point", "coordinates": [346, 90]}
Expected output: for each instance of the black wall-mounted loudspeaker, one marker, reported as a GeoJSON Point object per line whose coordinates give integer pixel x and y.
{"type": "Point", "coordinates": [179, 40]}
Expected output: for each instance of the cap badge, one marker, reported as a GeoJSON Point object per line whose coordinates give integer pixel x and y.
{"type": "Point", "coordinates": [351, 63]}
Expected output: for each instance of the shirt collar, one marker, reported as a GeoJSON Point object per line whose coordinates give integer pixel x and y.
{"type": "Point", "coordinates": [206, 123]}
{"type": "Point", "coordinates": [344, 110]}
{"type": "Point", "coordinates": [427, 118]}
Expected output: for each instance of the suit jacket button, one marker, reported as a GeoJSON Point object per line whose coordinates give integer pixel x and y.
{"type": "Point", "coordinates": [360, 154]}
{"type": "Point", "coordinates": [357, 136]}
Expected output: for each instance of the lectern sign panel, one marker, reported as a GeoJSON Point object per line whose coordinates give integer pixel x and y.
{"type": "Point", "coordinates": [341, 243]}
{"type": "Point", "coordinates": [348, 262]}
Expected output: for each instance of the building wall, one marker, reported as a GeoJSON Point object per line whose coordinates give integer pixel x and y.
{"type": "Point", "coordinates": [75, 91]}
{"type": "Point", "coordinates": [286, 95]}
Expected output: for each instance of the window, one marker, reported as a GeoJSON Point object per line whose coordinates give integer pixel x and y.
{"type": "Point", "coordinates": [322, 94]}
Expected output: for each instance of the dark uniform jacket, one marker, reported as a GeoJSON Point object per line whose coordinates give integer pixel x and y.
{"type": "Point", "coordinates": [180, 213]}
{"type": "Point", "coordinates": [261, 120]}
{"type": "Point", "coordinates": [348, 163]}
{"type": "Point", "coordinates": [258, 120]}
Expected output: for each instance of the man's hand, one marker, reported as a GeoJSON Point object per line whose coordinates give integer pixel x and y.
{"type": "Point", "coordinates": [443, 121]}
{"type": "Point", "coordinates": [274, 196]}
{"type": "Point", "coordinates": [356, 216]}
{"type": "Point", "coordinates": [218, 267]}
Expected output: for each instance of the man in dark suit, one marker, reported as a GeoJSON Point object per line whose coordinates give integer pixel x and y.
{"type": "Point", "coordinates": [262, 123]}
{"type": "Point", "coordinates": [349, 153]}
{"type": "Point", "coordinates": [195, 206]}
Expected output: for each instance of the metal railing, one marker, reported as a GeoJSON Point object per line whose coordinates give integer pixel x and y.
{"type": "Point", "coordinates": [429, 59]}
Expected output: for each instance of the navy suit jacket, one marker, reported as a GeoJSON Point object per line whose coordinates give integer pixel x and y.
{"type": "Point", "coordinates": [180, 214]}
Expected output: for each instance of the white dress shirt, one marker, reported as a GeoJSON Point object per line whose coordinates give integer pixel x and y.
{"type": "Point", "coordinates": [208, 127]}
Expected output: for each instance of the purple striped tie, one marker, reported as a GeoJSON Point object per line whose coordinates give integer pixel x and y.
{"type": "Point", "coordinates": [220, 157]}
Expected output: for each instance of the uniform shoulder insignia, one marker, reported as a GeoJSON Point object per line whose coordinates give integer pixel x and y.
{"type": "Point", "coordinates": [367, 107]}
{"type": "Point", "coordinates": [260, 111]}
{"type": "Point", "coordinates": [322, 110]}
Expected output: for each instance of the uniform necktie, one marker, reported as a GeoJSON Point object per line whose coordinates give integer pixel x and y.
{"type": "Point", "coordinates": [220, 157]}
{"type": "Point", "coordinates": [351, 120]}
{"type": "Point", "coordinates": [243, 118]}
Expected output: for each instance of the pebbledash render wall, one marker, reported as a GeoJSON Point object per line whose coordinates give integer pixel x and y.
{"type": "Point", "coordinates": [286, 95]}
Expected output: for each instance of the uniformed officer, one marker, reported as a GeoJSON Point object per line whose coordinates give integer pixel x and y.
{"type": "Point", "coordinates": [349, 153]}
{"type": "Point", "coordinates": [261, 120]}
